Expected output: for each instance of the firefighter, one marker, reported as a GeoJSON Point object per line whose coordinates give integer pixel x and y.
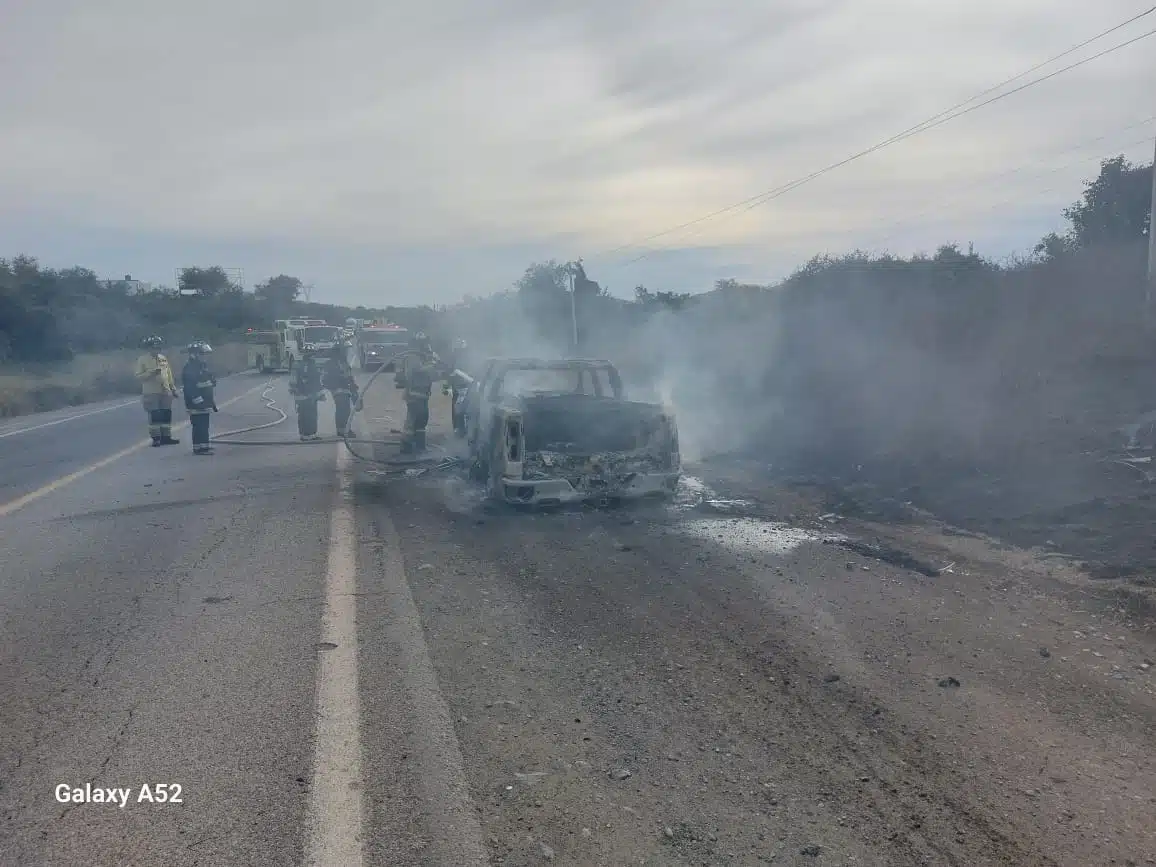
{"type": "Point", "coordinates": [158, 389]}
{"type": "Point", "coordinates": [458, 355]}
{"type": "Point", "coordinates": [198, 383]}
{"type": "Point", "coordinates": [460, 362]}
{"type": "Point", "coordinates": [307, 391]}
{"type": "Point", "coordinates": [418, 373]}
{"type": "Point", "coordinates": [337, 376]}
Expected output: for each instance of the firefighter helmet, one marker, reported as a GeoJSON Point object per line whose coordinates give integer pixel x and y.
{"type": "Point", "coordinates": [198, 347]}
{"type": "Point", "coordinates": [152, 342]}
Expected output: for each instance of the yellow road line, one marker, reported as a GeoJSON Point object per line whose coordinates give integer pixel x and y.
{"type": "Point", "coordinates": [121, 405]}
{"type": "Point", "coordinates": [20, 502]}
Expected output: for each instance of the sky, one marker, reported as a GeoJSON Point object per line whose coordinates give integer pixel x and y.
{"type": "Point", "coordinates": [416, 152]}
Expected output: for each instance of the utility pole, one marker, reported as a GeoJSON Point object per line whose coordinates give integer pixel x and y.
{"type": "Point", "coordinates": [573, 308]}
{"type": "Point", "coordinates": [1151, 288]}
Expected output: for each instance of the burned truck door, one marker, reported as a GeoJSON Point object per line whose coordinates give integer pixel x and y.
{"type": "Point", "coordinates": [474, 399]}
{"type": "Point", "coordinates": [507, 448]}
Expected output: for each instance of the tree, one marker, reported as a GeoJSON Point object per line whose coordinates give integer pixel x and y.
{"type": "Point", "coordinates": [652, 301]}
{"type": "Point", "coordinates": [206, 282]}
{"type": "Point", "coordinates": [1115, 206]}
{"type": "Point", "coordinates": [543, 292]}
{"type": "Point", "coordinates": [544, 280]}
{"type": "Point", "coordinates": [1053, 246]}
{"type": "Point", "coordinates": [584, 287]}
{"type": "Point", "coordinates": [280, 291]}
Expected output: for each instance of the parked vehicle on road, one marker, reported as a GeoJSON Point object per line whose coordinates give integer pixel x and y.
{"type": "Point", "coordinates": [378, 344]}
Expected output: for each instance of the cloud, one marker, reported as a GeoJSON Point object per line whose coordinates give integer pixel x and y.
{"type": "Point", "coordinates": [379, 136]}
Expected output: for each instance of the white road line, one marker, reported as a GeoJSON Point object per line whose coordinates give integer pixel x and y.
{"type": "Point", "coordinates": [334, 834]}
{"type": "Point", "coordinates": [55, 485]}
{"type": "Point", "coordinates": [439, 779]}
{"type": "Point", "coordinates": [31, 428]}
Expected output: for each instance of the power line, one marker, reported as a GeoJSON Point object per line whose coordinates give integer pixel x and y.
{"type": "Point", "coordinates": [756, 201]}
{"type": "Point", "coordinates": [899, 224]}
{"type": "Point", "coordinates": [943, 117]}
{"type": "Point", "coordinates": [896, 224]}
{"type": "Point", "coordinates": [878, 248]}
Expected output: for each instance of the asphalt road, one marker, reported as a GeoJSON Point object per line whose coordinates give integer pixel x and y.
{"type": "Point", "coordinates": [338, 668]}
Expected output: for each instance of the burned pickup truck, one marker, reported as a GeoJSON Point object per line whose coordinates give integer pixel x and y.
{"type": "Point", "coordinates": [550, 432]}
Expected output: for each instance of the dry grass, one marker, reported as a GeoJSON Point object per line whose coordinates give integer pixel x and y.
{"type": "Point", "coordinates": [88, 378]}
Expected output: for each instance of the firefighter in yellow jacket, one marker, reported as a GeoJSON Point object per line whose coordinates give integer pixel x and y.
{"type": "Point", "coordinates": [158, 389]}
{"type": "Point", "coordinates": [420, 370]}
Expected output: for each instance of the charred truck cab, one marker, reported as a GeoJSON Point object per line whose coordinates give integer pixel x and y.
{"type": "Point", "coordinates": [552, 432]}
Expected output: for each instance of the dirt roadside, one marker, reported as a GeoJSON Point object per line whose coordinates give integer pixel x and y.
{"type": "Point", "coordinates": [713, 683]}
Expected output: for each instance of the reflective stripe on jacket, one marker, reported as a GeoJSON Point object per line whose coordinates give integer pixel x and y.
{"type": "Point", "coordinates": [155, 374]}
{"type": "Point", "coordinates": [306, 383]}
{"type": "Point", "coordinates": [338, 378]}
{"type": "Point", "coordinates": [419, 377]}
{"type": "Point", "coordinates": [198, 383]}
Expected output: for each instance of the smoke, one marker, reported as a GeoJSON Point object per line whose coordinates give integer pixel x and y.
{"type": "Point", "coordinates": [500, 326]}
{"type": "Point", "coordinates": [948, 360]}
{"type": "Point", "coordinates": [704, 364]}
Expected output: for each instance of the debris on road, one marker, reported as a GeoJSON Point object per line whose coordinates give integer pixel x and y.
{"type": "Point", "coordinates": [620, 774]}
{"type": "Point", "coordinates": [888, 554]}
{"type": "Point", "coordinates": [949, 683]}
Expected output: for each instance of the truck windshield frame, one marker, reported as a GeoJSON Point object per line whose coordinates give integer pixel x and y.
{"type": "Point", "coordinates": [589, 380]}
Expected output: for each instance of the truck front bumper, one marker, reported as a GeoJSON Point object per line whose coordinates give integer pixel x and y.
{"type": "Point", "coordinates": [556, 491]}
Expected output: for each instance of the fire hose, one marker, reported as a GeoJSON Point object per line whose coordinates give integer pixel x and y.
{"type": "Point", "coordinates": [421, 464]}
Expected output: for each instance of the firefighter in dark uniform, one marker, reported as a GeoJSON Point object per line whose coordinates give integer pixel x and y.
{"type": "Point", "coordinates": [337, 376]}
{"type": "Point", "coordinates": [419, 372]}
{"type": "Point", "coordinates": [198, 383]}
{"type": "Point", "coordinates": [307, 390]}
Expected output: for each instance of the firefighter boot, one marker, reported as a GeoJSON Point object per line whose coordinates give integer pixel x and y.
{"type": "Point", "coordinates": [419, 441]}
